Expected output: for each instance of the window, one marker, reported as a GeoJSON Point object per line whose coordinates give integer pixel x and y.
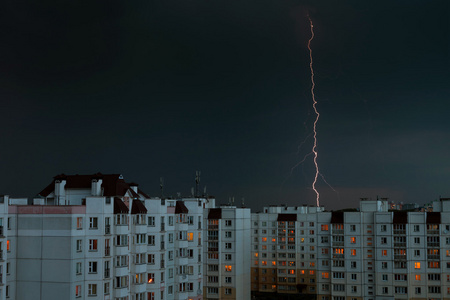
{"type": "Point", "coordinates": [151, 221]}
{"type": "Point", "coordinates": [227, 256]}
{"type": "Point", "coordinates": [418, 290]}
{"type": "Point", "coordinates": [227, 279]}
{"type": "Point", "coordinates": [228, 245]}
{"type": "Point", "coordinates": [383, 228]}
{"type": "Point", "coordinates": [383, 240]}
{"type": "Point", "coordinates": [353, 240]}
{"type": "Point", "coordinates": [151, 240]}
{"type": "Point", "coordinates": [417, 277]}
{"type": "Point", "coordinates": [324, 227]}
{"type": "Point", "coordinates": [93, 245]}
{"type": "Point", "coordinates": [92, 289]}
{"type": "Point", "coordinates": [352, 252]}
{"type": "Point", "coordinates": [79, 223]}
{"type": "Point", "coordinates": [228, 222]}
{"type": "Point", "coordinates": [93, 223]}
{"type": "Point", "coordinates": [122, 261]}
{"type": "Point", "coordinates": [106, 288]}
{"type": "Point", "coordinates": [385, 290]}
{"type": "Point", "coordinates": [417, 240]}
{"type": "Point", "coordinates": [227, 291]}
{"type": "Point", "coordinates": [352, 228]}
{"type": "Point", "coordinates": [417, 265]}
{"type": "Point", "coordinates": [228, 234]}
{"type": "Point", "coordinates": [170, 220]}
{"type": "Point", "coordinates": [79, 246]}
{"type": "Point", "coordinates": [353, 264]}
{"type": "Point", "coordinates": [151, 278]}
{"type": "Point", "coordinates": [416, 252]}
{"type": "Point", "coordinates": [92, 267]}
{"type": "Point", "coordinates": [78, 291]}
{"type": "Point", "coordinates": [416, 228]}
{"type": "Point", "coordinates": [78, 268]}
{"type": "Point", "coordinates": [384, 265]}
{"type": "Point", "coordinates": [121, 281]}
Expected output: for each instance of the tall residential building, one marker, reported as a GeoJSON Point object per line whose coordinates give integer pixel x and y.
{"type": "Point", "coordinates": [99, 237]}
{"type": "Point", "coordinates": [227, 253]}
{"type": "Point", "coordinates": [369, 254]}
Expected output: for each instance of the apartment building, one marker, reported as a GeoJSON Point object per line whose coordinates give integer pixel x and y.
{"type": "Point", "coordinates": [227, 253]}
{"type": "Point", "coordinates": [372, 253]}
{"type": "Point", "coordinates": [99, 237]}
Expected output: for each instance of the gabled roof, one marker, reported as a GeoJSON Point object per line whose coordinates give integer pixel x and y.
{"type": "Point", "coordinates": [433, 217]}
{"type": "Point", "coordinates": [137, 207]}
{"type": "Point", "coordinates": [180, 208]}
{"type": "Point", "coordinates": [119, 206]}
{"type": "Point", "coordinates": [400, 217]}
{"type": "Point", "coordinates": [112, 184]}
{"type": "Point", "coordinates": [215, 214]}
{"type": "Point", "coordinates": [287, 217]}
{"type": "Point", "coordinates": [337, 217]}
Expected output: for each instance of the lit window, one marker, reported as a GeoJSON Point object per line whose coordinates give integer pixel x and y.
{"type": "Point", "coordinates": [151, 278]}
{"type": "Point", "coordinates": [353, 252]}
{"type": "Point", "coordinates": [190, 236]}
{"type": "Point", "coordinates": [384, 252]}
{"type": "Point", "coordinates": [274, 263]}
{"type": "Point", "coordinates": [92, 245]}
{"type": "Point", "coordinates": [324, 227]}
{"type": "Point", "coordinates": [228, 268]}
{"type": "Point", "coordinates": [79, 223]}
{"type": "Point", "coordinates": [264, 239]}
{"type": "Point", "coordinates": [8, 246]}
{"type": "Point", "coordinates": [78, 291]}
{"type": "Point", "coordinates": [274, 240]}
{"type": "Point", "coordinates": [353, 240]}
{"type": "Point", "coordinates": [325, 275]}
{"type": "Point", "coordinates": [417, 265]}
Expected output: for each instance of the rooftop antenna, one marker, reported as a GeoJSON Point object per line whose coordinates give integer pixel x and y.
{"type": "Point", "coordinates": [242, 203]}
{"type": "Point", "coordinates": [161, 186]}
{"type": "Point", "coordinates": [197, 182]}
{"type": "Point", "coordinates": [204, 191]}
{"type": "Point", "coordinates": [192, 192]}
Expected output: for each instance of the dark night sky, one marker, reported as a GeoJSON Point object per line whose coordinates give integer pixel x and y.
{"type": "Point", "coordinates": [165, 88]}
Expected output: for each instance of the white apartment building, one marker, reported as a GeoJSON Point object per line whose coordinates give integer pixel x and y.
{"type": "Point", "coordinates": [227, 253]}
{"type": "Point", "coordinates": [372, 253]}
{"type": "Point", "coordinates": [99, 237]}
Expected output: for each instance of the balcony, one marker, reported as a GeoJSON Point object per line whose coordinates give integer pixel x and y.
{"type": "Point", "coordinates": [162, 263]}
{"type": "Point", "coordinates": [338, 231]}
{"type": "Point", "coordinates": [107, 273]}
{"type": "Point", "coordinates": [433, 257]}
{"type": "Point", "coordinates": [107, 229]}
{"type": "Point", "coordinates": [107, 251]}
{"type": "Point", "coordinates": [336, 243]}
{"type": "Point", "coordinates": [399, 231]}
{"type": "Point", "coordinates": [432, 231]}
{"type": "Point", "coordinates": [162, 245]}
{"type": "Point", "coordinates": [163, 226]}
{"type": "Point", "coordinates": [400, 244]}
{"type": "Point", "coordinates": [432, 244]}
{"type": "Point", "coordinates": [399, 257]}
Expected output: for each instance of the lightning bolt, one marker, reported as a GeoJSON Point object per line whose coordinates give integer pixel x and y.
{"type": "Point", "coordinates": [314, 148]}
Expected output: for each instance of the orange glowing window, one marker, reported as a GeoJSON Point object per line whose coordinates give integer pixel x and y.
{"type": "Point", "coordinates": [256, 254]}
{"type": "Point", "coordinates": [302, 240]}
{"type": "Point", "coordinates": [324, 227]}
{"type": "Point", "coordinates": [264, 239]}
{"type": "Point", "coordinates": [274, 240]}
{"type": "Point", "coordinates": [274, 286]}
{"type": "Point", "coordinates": [418, 277]}
{"type": "Point", "coordinates": [228, 268]}
{"type": "Point", "coordinates": [311, 272]}
{"type": "Point", "coordinates": [79, 223]}
{"type": "Point", "coordinates": [384, 252]}
{"type": "Point", "coordinates": [264, 263]}
{"type": "Point", "coordinates": [7, 245]}
{"type": "Point", "coordinates": [325, 275]}
{"type": "Point", "coordinates": [190, 236]}
{"type": "Point", "coordinates": [417, 265]}
{"type": "Point", "coordinates": [353, 252]}
{"type": "Point", "coordinates": [302, 271]}
{"type": "Point", "coordinates": [353, 240]}
{"type": "Point", "coordinates": [339, 251]}
{"type": "Point", "coordinates": [274, 263]}
{"type": "Point", "coordinates": [151, 278]}
{"type": "Point", "coordinates": [312, 264]}
{"type": "Point", "coordinates": [291, 271]}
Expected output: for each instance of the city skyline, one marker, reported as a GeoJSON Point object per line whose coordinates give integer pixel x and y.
{"type": "Point", "coordinates": [162, 90]}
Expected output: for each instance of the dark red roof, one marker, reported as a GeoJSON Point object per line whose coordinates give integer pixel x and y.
{"type": "Point", "coordinates": [119, 206]}
{"type": "Point", "coordinates": [337, 217]}
{"type": "Point", "coordinates": [287, 217]}
{"type": "Point", "coordinates": [433, 217]}
{"type": "Point", "coordinates": [112, 184]}
{"type": "Point", "coordinates": [180, 208]}
{"type": "Point", "coordinates": [138, 207]}
{"type": "Point", "coordinates": [400, 217]}
{"type": "Point", "coordinates": [215, 214]}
